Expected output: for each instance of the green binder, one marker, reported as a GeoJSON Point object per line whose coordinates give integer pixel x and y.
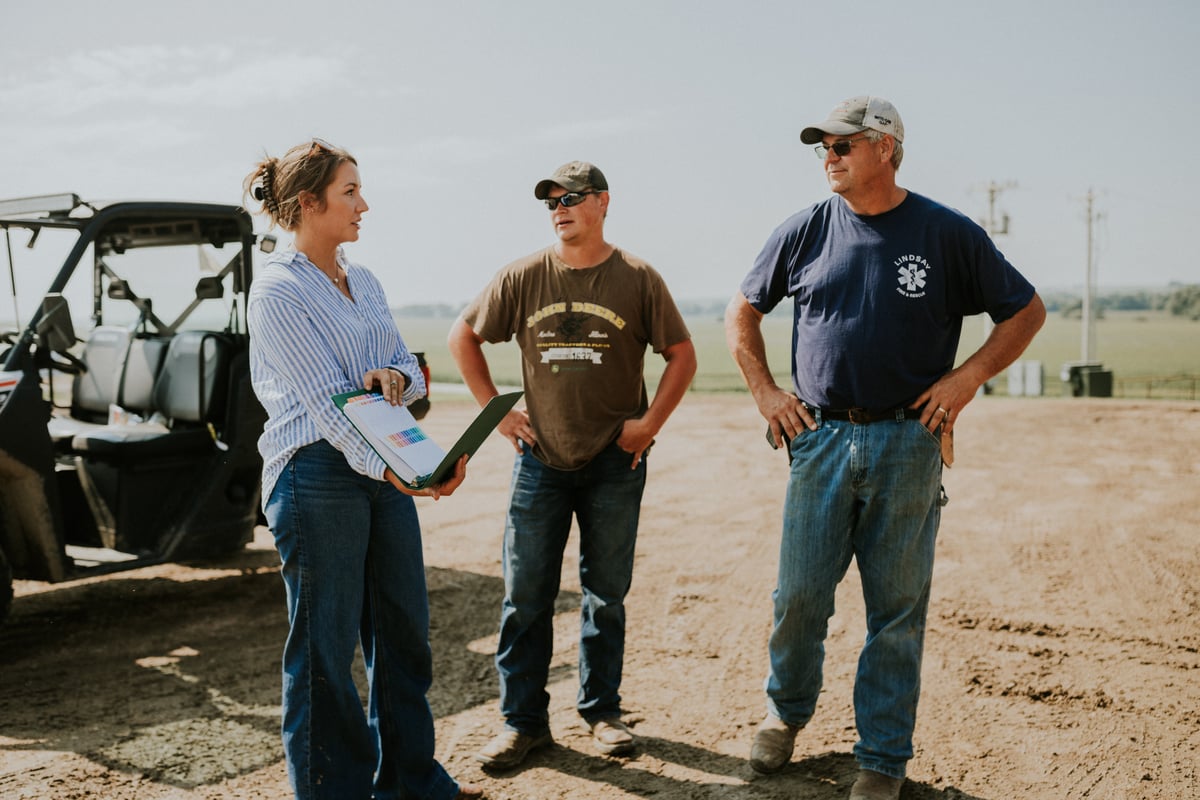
{"type": "Point", "coordinates": [470, 440]}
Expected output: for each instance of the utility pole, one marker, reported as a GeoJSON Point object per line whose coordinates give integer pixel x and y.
{"type": "Point", "coordinates": [990, 225]}
{"type": "Point", "coordinates": [1088, 344]}
{"type": "Point", "coordinates": [995, 227]}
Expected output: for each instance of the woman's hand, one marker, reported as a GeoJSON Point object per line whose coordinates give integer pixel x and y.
{"type": "Point", "coordinates": [445, 488]}
{"type": "Point", "coordinates": [388, 382]}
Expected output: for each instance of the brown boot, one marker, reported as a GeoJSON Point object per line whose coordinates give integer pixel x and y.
{"type": "Point", "coordinates": [773, 744]}
{"type": "Point", "coordinates": [873, 785]}
{"type": "Point", "coordinates": [509, 748]}
{"type": "Point", "coordinates": [612, 737]}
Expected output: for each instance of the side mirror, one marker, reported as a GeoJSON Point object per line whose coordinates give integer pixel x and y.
{"type": "Point", "coordinates": [209, 288]}
{"type": "Point", "coordinates": [266, 243]}
{"type": "Point", "coordinates": [55, 329]}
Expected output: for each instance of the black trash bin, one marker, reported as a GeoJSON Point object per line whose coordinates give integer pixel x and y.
{"type": "Point", "coordinates": [1097, 382]}
{"type": "Point", "coordinates": [1086, 379]}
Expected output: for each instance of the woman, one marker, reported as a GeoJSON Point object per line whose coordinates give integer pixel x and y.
{"type": "Point", "coordinates": [350, 543]}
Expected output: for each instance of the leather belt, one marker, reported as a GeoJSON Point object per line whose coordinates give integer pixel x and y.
{"type": "Point", "coordinates": [864, 416]}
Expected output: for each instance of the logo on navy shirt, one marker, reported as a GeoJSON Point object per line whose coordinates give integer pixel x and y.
{"type": "Point", "coordinates": [911, 277]}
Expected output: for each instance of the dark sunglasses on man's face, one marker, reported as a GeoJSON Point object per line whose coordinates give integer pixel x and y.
{"type": "Point", "coordinates": [841, 148]}
{"type": "Point", "coordinates": [569, 199]}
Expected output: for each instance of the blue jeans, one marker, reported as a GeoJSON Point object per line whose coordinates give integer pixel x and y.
{"type": "Point", "coordinates": [354, 573]}
{"type": "Point", "coordinates": [605, 498]}
{"type": "Point", "coordinates": [871, 492]}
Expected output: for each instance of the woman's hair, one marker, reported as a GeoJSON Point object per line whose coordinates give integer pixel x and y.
{"type": "Point", "coordinates": [897, 148]}
{"type": "Point", "coordinates": [277, 183]}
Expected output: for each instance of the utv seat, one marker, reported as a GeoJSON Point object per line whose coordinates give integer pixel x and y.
{"type": "Point", "coordinates": [135, 393]}
{"type": "Point", "coordinates": [122, 370]}
{"type": "Point", "coordinates": [189, 391]}
{"type": "Point", "coordinates": [94, 390]}
{"type": "Point", "coordinates": [149, 482]}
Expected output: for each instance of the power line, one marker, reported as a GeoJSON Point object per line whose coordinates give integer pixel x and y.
{"type": "Point", "coordinates": [993, 227]}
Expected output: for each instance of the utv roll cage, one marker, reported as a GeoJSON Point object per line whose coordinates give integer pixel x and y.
{"type": "Point", "coordinates": [155, 459]}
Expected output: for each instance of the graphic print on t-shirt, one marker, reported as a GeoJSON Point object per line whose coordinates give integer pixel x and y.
{"type": "Point", "coordinates": [572, 335]}
{"type": "Point", "coordinates": [912, 272]}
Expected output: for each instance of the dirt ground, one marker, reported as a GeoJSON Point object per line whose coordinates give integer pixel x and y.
{"type": "Point", "coordinates": [1062, 661]}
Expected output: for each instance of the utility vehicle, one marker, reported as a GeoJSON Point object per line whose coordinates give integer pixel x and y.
{"type": "Point", "coordinates": [137, 443]}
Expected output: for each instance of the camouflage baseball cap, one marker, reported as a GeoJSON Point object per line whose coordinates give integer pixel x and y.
{"type": "Point", "coordinates": [856, 115]}
{"type": "Point", "coordinates": [576, 176]}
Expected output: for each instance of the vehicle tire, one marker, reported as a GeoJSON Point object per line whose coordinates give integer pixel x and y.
{"type": "Point", "coordinates": [6, 589]}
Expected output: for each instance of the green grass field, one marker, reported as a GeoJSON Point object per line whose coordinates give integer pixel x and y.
{"type": "Point", "coordinates": [1134, 345]}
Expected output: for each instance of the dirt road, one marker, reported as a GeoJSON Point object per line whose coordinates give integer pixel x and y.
{"type": "Point", "coordinates": [1063, 656]}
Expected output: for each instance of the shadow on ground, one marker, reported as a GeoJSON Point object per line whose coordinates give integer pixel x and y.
{"type": "Point", "coordinates": [158, 675]}
{"type": "Point", "coordinates": [827, 776]}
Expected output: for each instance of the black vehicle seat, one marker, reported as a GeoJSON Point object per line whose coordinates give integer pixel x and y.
{"type": "Point", "coordinates": [93, 391]}
{"type": "Point", "coordinates": [189, 392]}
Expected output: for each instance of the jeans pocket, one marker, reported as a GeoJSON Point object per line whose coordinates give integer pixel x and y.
{"type": "Point", "coordinates": [931, 436]}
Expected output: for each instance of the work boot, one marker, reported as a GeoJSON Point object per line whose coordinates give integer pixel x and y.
{"type": "Point", "coordinates": [612, 737]}
{"type": "Point", "coordinates": [873, 785]}
{"type": "Point", "coordinates": [773, 744]}
{"type": "Point", "coordinates": [509, 748]}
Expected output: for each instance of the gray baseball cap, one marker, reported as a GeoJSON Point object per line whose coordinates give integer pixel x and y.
{"type": "Point", "coordinates": [855, 115]}
{"type": "Point", "coordinates": [576, 176]}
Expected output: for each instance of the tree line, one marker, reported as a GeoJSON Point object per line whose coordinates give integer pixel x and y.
{"type": "Point", "coordinates": [1181, 300]}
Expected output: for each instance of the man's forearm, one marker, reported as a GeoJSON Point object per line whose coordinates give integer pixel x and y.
{"type": "Point", "coordinates": [674, 383]}
{"type": "Point", "coordinates": [743, 336]}
{"type": "Point", "coordinates": [467, 352]}
{"type": "Point", "coordinates": [1007, 341]}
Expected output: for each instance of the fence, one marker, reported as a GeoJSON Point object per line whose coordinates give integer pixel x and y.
{"type": "Point", "coordinates": [1084, 380]}
{"type": "Point", "coordinates": [1159, 387]}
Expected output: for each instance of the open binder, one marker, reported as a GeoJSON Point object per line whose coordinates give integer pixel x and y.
{"type": "Point", "coordinates": [417, 460]}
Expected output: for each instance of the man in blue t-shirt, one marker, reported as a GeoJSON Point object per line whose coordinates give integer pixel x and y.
{"type": "Point", "coordinates": [881, 279]}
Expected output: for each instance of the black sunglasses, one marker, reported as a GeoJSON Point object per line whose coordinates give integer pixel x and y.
{"type": "Point", "coordinates": [569, 199]}
{"type": "Point", "coordinates": [840, 148]}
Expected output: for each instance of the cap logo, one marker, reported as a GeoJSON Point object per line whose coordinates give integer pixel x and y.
{"type": "Point", "coordinates": [882, 120]}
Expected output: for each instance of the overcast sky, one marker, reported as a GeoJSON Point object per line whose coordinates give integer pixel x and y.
{"type": "Point", "coordinates": [692, 109]}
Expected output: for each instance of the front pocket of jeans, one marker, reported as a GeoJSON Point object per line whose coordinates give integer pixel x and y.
{"type": "Point", "coordinates": [930, 436]}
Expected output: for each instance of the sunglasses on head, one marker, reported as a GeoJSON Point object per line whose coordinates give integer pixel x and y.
{"type": "Point", "coordinates": [569, 199]}
{"type": "Point", "coordinates": [316, 144]}
{"type": "Point", "coordinates": [840, 148]}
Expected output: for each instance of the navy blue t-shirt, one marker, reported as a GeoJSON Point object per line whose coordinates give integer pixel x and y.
{"type": "Point", "coordinates": [879, 300]}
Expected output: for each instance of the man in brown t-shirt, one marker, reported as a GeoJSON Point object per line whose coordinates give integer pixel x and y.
{"type": "Point", "coordinates": [582, 312]}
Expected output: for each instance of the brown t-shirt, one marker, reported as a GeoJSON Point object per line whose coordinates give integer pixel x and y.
{"type": "Point", "coordinates": [583, 336]}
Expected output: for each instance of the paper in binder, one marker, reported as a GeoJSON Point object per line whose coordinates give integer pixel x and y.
{"type": "Point", "coordinates": [405, 447]}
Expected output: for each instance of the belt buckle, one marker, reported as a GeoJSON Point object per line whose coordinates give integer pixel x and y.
{"type": "Point", "coordinates": [859, 416]}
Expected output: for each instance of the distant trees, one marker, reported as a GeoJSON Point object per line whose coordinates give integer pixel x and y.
{"type": "Point", "coordinates": [1184, 301]}
{"type": "Point", "coordinates": [1131, 301]}
{"type": "Point", "coordinates": [427, 311]}
{"type": "Point", "coordinates": [1178, 299]}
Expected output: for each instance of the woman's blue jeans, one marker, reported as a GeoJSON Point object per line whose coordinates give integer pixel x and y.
{"type": "Point", "coordinates": [354, 573]}
{"type": "Point", "coordinates": [871, 492]}
{"type": "Point", "coordinates": [605, 498]}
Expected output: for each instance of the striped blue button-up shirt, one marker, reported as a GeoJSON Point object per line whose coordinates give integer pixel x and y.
{"type": "Point", "coordinates": [308, 342]}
